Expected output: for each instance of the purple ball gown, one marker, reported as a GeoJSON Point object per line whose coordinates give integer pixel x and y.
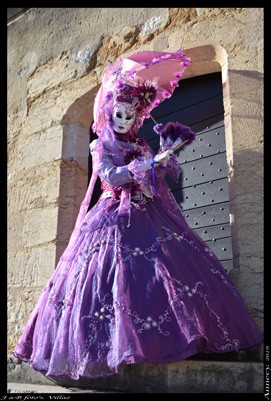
{"type": "Point", "coordinates": [136, 284]}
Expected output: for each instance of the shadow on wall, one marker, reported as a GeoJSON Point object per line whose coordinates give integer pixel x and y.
{"type": "Point", "coordinates": [242, 83]}
{"type": "Point", "coordinates": [74, 166]}
{"type": "Point", "coordinates": [246, 206]}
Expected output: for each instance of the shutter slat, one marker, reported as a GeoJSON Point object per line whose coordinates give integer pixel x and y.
{"type": "Point", "coordinates": [206, 144]}
{"type": "Point", "coordinates": [216, 231]}
{"type": "Point", "coordinates": [208, 124]}
{"type": "Point", "coordinates": [222, 248]}
{"type": "Point", "coordinates": [203, 127]}
{"type": "Point", "coordinates": [208, 215]}
{"type": "Point", "coordinates": [190, 92]}
{"type": "Point", "coordinates": [189, 116]}
{"type": "Point", "coordinates": [205, 194]}
{"type": "Point", "coordinates": [199, 171]}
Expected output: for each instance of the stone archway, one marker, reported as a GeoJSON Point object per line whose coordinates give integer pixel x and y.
{"type": "Point", "coordinates": [74, 165]}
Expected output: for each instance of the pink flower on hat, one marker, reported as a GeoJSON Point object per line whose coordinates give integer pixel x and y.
{"type": "Point", "coordinates": [166, 94]}
{"type": "Point", "coordinates": [186, 61]}
{"type": "Point", "coordinates": [165, 56]}
{"type": "Point", "coordinates": [174, 84]}
{"type": "Point", "coordinates": [177, 74]}
{"type": "Point", "coordinates": [156, 102]}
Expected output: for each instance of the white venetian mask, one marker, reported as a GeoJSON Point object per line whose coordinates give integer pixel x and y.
{"type": "Point", "coordinates": [123, 117]}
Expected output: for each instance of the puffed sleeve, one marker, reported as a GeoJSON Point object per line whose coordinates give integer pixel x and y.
{"type": "Point", "coordinates": [108, 171]}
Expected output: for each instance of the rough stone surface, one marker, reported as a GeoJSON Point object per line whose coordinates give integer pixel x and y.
{"type": "Point", "coordinates": [46, 33]}
{"type": "Point", "coordinates": [76, 144]}
{"type": "Point", "coordinates": [19, 372]}
{"type": "Point", "coordinates": [53, 107]}
{"type": "Point", "coordinates": [181, 16]}
{"type": "Point", "coordinates": [54, 72]}
{"type": "Point", "coordinates": [153, 24]}
{"type": "Point", "coordinates": [216, 31]}
{"type": "Point", "coordinates": [72, 191]}
{"type": "Point", "coordinates": [40, 226]}
{"type": "Point", "coordinates": [47, 145]}
{"type": "Point", "coordinates": [112, 46]}
{"type": "Point", "coordinates": [19, 307]}
{"type": "Point", "coordinates": [33, 267]}
{"type": "Point", "coordinates": [33, 188]}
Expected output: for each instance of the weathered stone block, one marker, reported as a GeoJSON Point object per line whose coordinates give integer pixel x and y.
{"type": "Point", "coordinates": [34, 187]}
{"type": "Point", "coordinates": [32, 268]}
{"type": "Point", "coordinates": [253, 263]}
{"type": "Point", "coordinates": [247, 128]}
{"type": "Point", "coordinates": [52, 108]}
{"type": "Point", "coordinates": [248, 176]}
{"type": "Point", "coordinates": [254, 18]}
{"type": "Point", "coordinates": [15, 229]}
{"type": "Point", "coordinates": [41, 147]}
{"type": "Point", "coordinates": [55, 72]}
{"type": "Point", "coordinates": [160, 42]}
{"type": "Point", "coordinates": [76, 144]}
{"type": "Point", "coordinates": [250, 286]}
{"type": "Point", "coordinates": [250, 241]}
{"type": "Point", "coordinates": [215, 30]}
{"type": "Point", "coordinates": [181, 16]}
{"type": "Point", "coordinates": [73, 187]}
{"type": "Point", "coordinates": [153, 24]}
{"type": "Point", "coordinates": [248, 209]}
{"type": "Point", "coordinates": [246, 85]}
{"type": "Point", "coordinates": [73, 184]}
{"type": "Point", "coordinates": [12, 144]}
{"type": "Point", "coordinates": [117, 44]}
{"type": "Point", "coordinates": [66, 222]}
{"type": "Point", "coordinates": [40, 226]}
{"type": "Point", "coordinates": [20, 304]}
{"type": "Point", "coordinates": [215, 377]}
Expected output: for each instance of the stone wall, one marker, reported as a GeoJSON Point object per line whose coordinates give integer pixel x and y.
{"type": "Point", "coordinates": [55, 60]}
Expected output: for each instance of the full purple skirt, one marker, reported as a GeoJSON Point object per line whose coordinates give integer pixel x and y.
{"type": "Point", "coordinates": [150, 293]}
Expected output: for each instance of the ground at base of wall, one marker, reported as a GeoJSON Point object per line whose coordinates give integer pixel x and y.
{"type": "Point", "coordinates": [188, 376]}
{"type": "Point", "coordinates": [27, 388]}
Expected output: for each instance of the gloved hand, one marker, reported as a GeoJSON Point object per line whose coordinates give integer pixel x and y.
{"type": "Point", "coordinates": [140, 165]}
{"type": "Point", "coordinates": [146, 164]}
{"type": "Point", "coordinates": [163, 157]}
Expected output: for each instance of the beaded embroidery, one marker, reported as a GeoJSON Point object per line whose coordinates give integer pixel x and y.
{"type": "Point", "coordinates": [105, 314]}
{"type": "Point", "coordinates": [149, 322]}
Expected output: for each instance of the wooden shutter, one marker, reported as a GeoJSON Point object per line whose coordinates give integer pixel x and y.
{"type": "Point", "coordinates": [202, 190]}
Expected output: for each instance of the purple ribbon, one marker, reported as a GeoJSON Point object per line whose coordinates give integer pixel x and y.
{"type": "Point", "coordinates": [153, 175]}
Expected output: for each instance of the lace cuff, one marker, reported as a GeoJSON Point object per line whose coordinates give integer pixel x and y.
{"type": "Point", "coordinates": [173, 167]}
{"type": "Point", "coordinates": [141, 173]}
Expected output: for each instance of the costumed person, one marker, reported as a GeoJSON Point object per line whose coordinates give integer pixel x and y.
{"type": "Point", "coordinates": [135, 284]}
